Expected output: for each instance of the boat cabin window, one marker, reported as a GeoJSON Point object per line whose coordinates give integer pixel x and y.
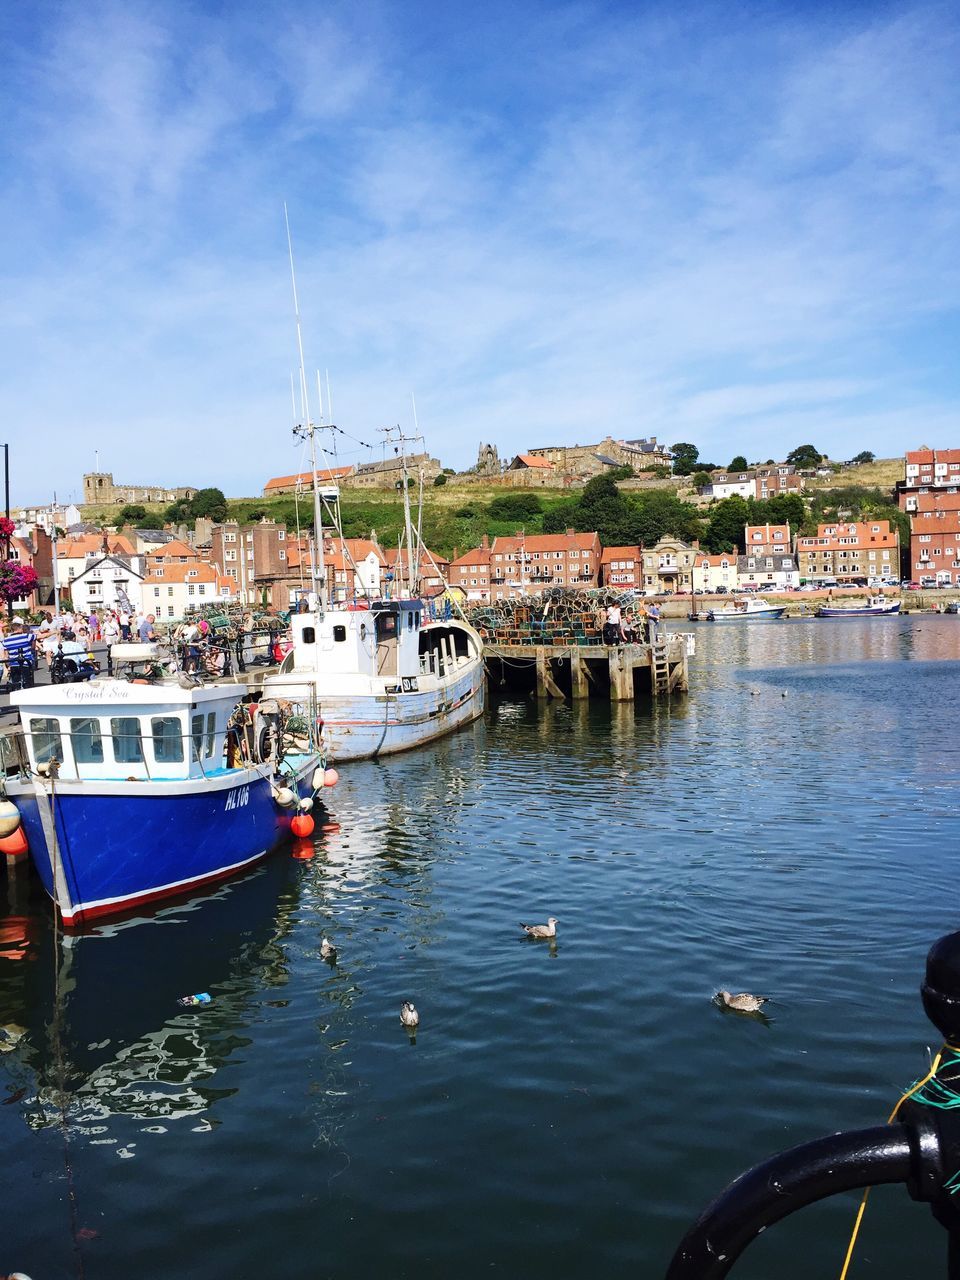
{"type": "Point", "coordinates": [309, 635]}
{"type": "Point", "coordinates": [127, 742]}
{"type": "Point", "coordinates": [203, 745]}
{"type": "Point", "coordinates": [386, 624]}
{"type": "Point", "coordinates": [339, 632]}
{"type": "Point", "coordinates": [167, 739]}
{"type": "Point", "coordinates": [87, 740]}
{"type": "Point", "coordinates": [47, 744]}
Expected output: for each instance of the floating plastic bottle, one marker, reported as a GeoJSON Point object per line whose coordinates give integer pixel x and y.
{"type": "Point", "coordinates": [202, 997]}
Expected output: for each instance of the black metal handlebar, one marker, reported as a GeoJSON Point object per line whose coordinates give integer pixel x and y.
{"type": "Point", "coordinates": [921, 1150]}
{"type": "Point", "coordinates": [781, 1186]}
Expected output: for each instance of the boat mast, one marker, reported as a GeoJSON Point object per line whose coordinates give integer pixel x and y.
{"type": "Point", "coordinates": [395, 433]}
{"type": "Point", "coordinates": [308, 430]}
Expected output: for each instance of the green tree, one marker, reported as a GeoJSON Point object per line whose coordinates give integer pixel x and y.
{"type": "Point", "coordinates": [805, 455]}
{"type": "Point", "coordinates": [738, 464]}
{"type": "Point", "coordinates": [209, 502]}
{"type": "Point", "coordinates": [684, 459]}
{"type": "Point", "coordinates": [515, 506]}
{"type": "Point", "coordinates": [659, 513]}
{"type": "Point", "coordinates": [726, 523]}
{"type": "Point", "coordinates": [132, 513]}
{"type": "Point", "coordinates": [701, 479]}
{"type": "Point", "coordinates": [439, 480]}
{"type": "Point", "coordinates": [865, 456]}
{"type": "Point", "coordinates": [787, 508]}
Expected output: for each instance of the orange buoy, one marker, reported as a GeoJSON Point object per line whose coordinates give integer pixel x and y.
{"type": "Point", "coordinates": [303, 850]}
{"type": "Point", "coordinates": [330, 777]}
{"type": "Point", "coordinates": [302, 825]}
{"type": "Point", "coordinates": [15, 844]}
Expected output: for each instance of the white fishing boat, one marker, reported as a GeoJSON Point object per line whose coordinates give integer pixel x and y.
{"type": "Point", "coordinates": [746, 609]}
{"type": "Point", "coordinates": [386, 677]}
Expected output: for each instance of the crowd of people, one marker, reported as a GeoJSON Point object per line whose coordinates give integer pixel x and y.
{"type": "Point", "coordinates": [65, 634]}
{"type": "Point", "coordinates": [622, 626]}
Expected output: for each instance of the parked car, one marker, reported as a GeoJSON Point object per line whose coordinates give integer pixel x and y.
{"type": "Point", "coordinates": [910, 586]}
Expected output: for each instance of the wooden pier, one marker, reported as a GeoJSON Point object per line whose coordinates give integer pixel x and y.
{"type": "Point", "coordinates": [583, 671]}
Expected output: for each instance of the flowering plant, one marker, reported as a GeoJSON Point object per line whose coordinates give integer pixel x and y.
{"type": "Point", "coordinates": [6, 527]}
{"type": "Point", "coordinates": [16, 580]}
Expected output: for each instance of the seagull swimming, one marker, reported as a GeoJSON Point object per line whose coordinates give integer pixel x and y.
{"type": "Point", "coordinates": [743, 1003]}
{"type": "Point", "coordinates": [408, 1014]}
{"type": "Point", "coordinates": [548, 930]}
{"type": "Point", "coordinates": [327, 950]}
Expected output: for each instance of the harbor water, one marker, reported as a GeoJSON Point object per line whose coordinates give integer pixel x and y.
{"type": "Point", "coordinates": [791, 828]}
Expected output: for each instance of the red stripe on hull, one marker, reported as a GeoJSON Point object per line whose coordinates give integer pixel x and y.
{"type": "Point", "coordinates": [123, 906]}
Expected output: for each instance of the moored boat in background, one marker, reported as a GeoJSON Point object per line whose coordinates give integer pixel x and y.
{"type": "Point", "coordinates": [875, 607]}
{"type": "Point", "coordinates": [746, 609]}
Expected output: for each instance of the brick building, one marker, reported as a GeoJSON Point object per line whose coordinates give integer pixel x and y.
{"type": "Point", "coordinates": [935, 546]}
{"type": "Point", "coordinates": [848, 550]}
{"type": "Point", "coordinates": [471, 572]}
{"type": "Point", "coordinates": [303, 481]}
{"type": "Point", "coordinates": [525, 565]}
{"type": "Point", "coordinates": [781, 478]}
{"type": "Point", "coordinates": [253, 555]}
{"type": "Point", "coordinates": [927, 471]}
{"type": "Point", "coordinates": [622, 567]}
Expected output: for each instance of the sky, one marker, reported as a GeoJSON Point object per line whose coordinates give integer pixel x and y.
{"type": "Point", "coordinates": [517, 223]}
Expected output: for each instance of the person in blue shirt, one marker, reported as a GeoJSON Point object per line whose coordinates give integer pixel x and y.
{"type": "Point", "coordinates": [20, 654]}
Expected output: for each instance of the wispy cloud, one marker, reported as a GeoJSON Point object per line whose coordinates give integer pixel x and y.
{"type": "Point", "coordinates": [551, 223]}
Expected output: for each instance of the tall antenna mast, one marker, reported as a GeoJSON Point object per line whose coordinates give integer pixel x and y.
{"type": "Point", "coordinates": [396, 434]}
{"type": "Point", "coordinates": [308, 429]}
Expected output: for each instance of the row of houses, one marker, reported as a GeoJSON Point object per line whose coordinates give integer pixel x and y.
{"type": "Point", "coordinates": [770, 559]}
{"type": "Point", "coordinates": [930, 493]}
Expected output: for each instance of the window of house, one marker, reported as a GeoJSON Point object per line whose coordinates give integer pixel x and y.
{"type": "Point", "coordinates": [156, 591]}
{"type": "Point", "coordinates": [191, 589]}
{"type": "Point", "coordinates": [282, 555]}
{"type": "Point", "coordinates": [229, 537]}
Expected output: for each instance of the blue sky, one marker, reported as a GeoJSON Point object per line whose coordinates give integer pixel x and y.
{"type": "Point", "coordinates": [731, 224]}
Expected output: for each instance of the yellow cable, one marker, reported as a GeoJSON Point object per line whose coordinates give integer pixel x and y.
{"type": "Point", "coordinates": [890, 1119]}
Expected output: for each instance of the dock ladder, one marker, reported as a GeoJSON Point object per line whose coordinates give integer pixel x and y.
{"type": "Point", "coordinates": [659, 666]}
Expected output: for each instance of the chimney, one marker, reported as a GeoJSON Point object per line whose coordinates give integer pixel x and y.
{"type": "Point", "coordinates": [695, 544]}
{"type": "Point", "coordinates": [569, 533]}
{"type": "Point", "coordinates": [484, 543]}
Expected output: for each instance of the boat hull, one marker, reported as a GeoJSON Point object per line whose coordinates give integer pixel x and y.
{"type": "Point", "coordinates": [106, 848]}
{"type": "Point", "coordinates": [758, 615]}
{"type": "Point", "coordinates": [360, 726]}
{"type": "Point", "coordinates": [886, 612]}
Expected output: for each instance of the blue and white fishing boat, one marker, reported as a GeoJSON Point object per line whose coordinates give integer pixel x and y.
{"type": "Point", "coordinates": [875, 607]}
{"type": "Point", "coordinates": [746, 609]}
{"type": "Point", "coordinates": [136, 791]}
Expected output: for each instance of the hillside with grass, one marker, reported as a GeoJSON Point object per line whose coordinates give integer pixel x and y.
{"type": "Point", "coordinates": [456, 517]}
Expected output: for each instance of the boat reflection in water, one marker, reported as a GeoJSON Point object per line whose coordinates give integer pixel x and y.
{"type": "Point", "coordinates": [92, 1021]}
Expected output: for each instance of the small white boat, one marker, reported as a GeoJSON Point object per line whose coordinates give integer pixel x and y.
{"type": "Point", "coordinates": [875, 607]}
{"type": "Point", "coordinates": [746, 609]}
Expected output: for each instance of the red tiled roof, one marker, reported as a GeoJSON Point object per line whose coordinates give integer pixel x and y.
{"type": "Point", "coordinates": [549, 542]}
{"type": "Point", "coordinates": [305, 478]}
{"type": "Point", "coordinates": [618, 553]}
{"type": "Point", "coordinates": [529, 460]}
{"type": "Point", "coordinates": [927, 457]}
{"type": "Point", "coordinates": [87, 544]}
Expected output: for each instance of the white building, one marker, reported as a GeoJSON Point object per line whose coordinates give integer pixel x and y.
{"type": "Point", "coordinates": [171, 591]}
{"type": "Point", "coordinates": [729, 484]}
{"type": "Point", "coordinates": [107, 582]}
{"type": "Point", "coordinates": [715, 573]}
{"type": "Point", "coordinates": [75, 554]}
{"type": "Point", "coordinates": [768, 570]}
